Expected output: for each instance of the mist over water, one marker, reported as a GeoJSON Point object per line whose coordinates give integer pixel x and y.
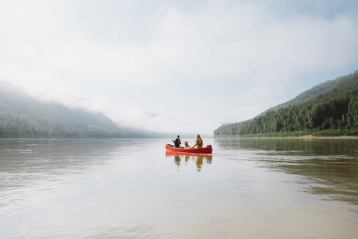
{"type": "Point", "coordinates": [129, 188]}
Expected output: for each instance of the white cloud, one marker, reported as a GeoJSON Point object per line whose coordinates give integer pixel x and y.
{"type": "Point", "coordinates": [191, 66]}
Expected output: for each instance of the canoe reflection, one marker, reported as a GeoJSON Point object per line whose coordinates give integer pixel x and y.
{"type": "Point", "coordinates": [198, 159]}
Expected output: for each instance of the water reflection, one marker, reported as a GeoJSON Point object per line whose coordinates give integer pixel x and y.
{"type": "Point", "coordinates": [129, 189]}
{"type": "Point", "coordinates": [293, 146]}
{"type": "Point", "coordinates": [186, 158]}
{"type": "Point", "coordinates": [331, 166]}
{"type": "Point", "coordinates": [26, 164]}
{"type": "Point", "coordinates": [53, 156]}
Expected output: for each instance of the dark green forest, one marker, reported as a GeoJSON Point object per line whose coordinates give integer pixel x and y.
{"type": "Point", "coordinates": [330, 108]}
{"type": "Point", "coordinates": [24, 116]}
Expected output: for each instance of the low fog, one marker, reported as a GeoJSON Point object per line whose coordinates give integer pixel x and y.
{"type": "Point", "coordinates": [175, 66]}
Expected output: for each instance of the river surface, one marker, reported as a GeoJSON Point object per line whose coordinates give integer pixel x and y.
{"type": "Point", "coordinates": [249, 188]}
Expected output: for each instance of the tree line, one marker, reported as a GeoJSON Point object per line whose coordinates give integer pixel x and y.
{"type": "Point", "coordinates": [335, 112]}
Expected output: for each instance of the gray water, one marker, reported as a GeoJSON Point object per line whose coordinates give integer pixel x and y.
{"type": "Point", "coordinates": [249, 188]}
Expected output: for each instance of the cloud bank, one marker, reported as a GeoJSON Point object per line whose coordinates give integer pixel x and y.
{"type": "Point", "coordinates": [175, 66]}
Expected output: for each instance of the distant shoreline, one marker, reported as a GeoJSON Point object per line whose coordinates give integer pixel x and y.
{"type": "Point", "coordinates": [327, 137]}
{"type": "Point", "coordinates": [305, 137]}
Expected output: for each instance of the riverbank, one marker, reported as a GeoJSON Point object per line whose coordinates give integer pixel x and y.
{"type": "Point", "coordinates": [304, 137]}
{"type": "Point", "coordinates": [326, 137]}
{"type": "Point", "coordinates": [314, 134]}
{"type": "Point", "coordinates": [314, 137]}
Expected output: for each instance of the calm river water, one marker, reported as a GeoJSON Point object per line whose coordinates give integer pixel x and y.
{"type": "Point", "coordinates": [249, 188]}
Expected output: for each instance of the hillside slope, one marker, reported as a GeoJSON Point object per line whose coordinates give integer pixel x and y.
{"type": "Point", "coordinates": [23, 116]}
{"type": "Point", "coordinates": [328, 107]}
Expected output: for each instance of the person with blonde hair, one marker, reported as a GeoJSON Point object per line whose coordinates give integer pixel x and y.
{"type": "Point", "coordinates": [198, 142]}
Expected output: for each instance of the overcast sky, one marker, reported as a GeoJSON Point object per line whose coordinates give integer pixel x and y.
{"type": "Point", "coordinates": [175, 66]}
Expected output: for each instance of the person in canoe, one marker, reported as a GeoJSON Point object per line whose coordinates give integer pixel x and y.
{"type": "Point", "coordinates": [177, 142]}
{"type": "Point", "coordinates": [198, 142]}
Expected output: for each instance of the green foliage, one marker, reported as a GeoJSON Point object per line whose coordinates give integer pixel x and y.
{"type": "Point", "coordinates": [333, 112]}
{"type": "Point", "coordinates": [22, 116]}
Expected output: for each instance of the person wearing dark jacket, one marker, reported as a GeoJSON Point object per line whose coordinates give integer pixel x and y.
{"type": "Point", "coordinates": [177, 142]}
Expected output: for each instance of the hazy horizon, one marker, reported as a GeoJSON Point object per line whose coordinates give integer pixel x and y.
{"type": "Point", "coordinates": [175, 66]}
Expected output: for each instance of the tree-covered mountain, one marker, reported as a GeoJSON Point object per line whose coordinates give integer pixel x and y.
{"type": "Point", "coordinates": [24, 116]}
{"type": "Point", "coordinates": [328, 108]}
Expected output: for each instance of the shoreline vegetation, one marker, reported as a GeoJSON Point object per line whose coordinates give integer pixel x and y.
{"type": "Point", "coordinates": [329, 109]}
{"type": "Point", "coordinates": [22, 116]}
{"type": "Point", "coordinates": [331, 133]}
{"type": "Point", "coordinates": [304, 137]}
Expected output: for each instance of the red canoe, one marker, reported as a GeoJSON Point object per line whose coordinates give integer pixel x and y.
{"type": "Point", "coordinates": [171, 149]}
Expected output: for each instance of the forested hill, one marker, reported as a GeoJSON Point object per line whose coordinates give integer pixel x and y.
{"type": "Point", "coordinates": [328, 108]}
{"type": "Point", "coordinates": [23, 116]}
